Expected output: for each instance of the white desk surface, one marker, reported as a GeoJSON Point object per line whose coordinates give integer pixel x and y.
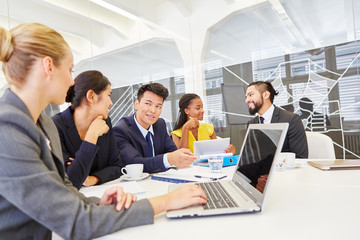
{"type": "Point", "coordinates": [303, 203]}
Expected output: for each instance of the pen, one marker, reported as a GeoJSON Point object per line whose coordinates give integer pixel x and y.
{"type": "Point", "coordinates": [212, 178]}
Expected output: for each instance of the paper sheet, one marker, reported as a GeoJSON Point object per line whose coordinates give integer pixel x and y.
{"type": "Point", "coordinates": [97, 191]}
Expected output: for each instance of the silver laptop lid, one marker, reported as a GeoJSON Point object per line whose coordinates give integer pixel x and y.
{"type": "Point", "coordinates": [260, 149]}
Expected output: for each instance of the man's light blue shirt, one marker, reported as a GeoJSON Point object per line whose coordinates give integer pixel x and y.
{"type": "Point", "coordinates": [151, 130]}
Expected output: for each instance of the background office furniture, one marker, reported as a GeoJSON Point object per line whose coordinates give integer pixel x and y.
{"type": "Point", "coordinates": [320, 146]}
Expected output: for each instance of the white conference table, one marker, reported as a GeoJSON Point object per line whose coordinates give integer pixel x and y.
{"type": "Point", "coordinates": [302, 203]}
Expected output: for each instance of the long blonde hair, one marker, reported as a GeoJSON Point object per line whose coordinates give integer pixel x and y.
{"type": "Point", "coordinates": [20, 46]}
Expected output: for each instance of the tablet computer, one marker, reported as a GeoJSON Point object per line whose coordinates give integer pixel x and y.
{"type": "Point", "coordinates": [203, 149]}
{"type": "Point", "coordinates": [336, 164]}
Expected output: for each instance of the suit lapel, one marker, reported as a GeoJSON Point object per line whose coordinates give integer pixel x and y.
{"type": "Point", "coordinates": [276, 115]}
{"type": "Point", "coordinates": [71, 129]}
{"type": "Point", "coordinates": [55, 145]}
{"type": "Point", "coordinates": [254, 120]}
{"type": "Point", "coordinates": [74, 137]}
{"type": "Point", "coordinates": [157, 138]}
{"type": "Point", "coordinates": [49, 129]}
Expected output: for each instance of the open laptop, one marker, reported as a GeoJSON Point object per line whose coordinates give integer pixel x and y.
{"type": "Point", "coordinates": [258, 156]}
{"type": "Point", "coordinates": [336, 164]}
{"type": "Point", "coordinates": [204, 149]}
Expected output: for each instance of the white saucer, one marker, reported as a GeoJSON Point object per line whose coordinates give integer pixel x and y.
{"type": "Point", "coordinates": [297, 165]}
{"type": "Point", "coordinates": [127, 178]}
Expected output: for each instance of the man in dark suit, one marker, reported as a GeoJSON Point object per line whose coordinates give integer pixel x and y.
{"type": "Point", "coordinates": [143, 138]}
{"type": "Point", "coordinates": [259, 97]}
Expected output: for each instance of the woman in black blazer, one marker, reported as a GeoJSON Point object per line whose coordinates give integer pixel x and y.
{"type": "Point", "coordinates": [90, 152]}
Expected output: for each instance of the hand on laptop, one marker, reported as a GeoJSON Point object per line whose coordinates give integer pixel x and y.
{"type": "Point", "coordinates": [184, 196]}
{"type": "Point", "coordinates": [230, 149]}
{"type": "Point", "coordinates": [117, 196]}
{"type": "Point", "coordinates": [181, 158]}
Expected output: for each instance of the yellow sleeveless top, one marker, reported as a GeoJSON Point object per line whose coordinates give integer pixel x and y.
{"type": "Point", "coordinates": [204, 133]}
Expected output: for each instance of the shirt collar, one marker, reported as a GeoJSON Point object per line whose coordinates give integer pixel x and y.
{"type": "Point", "coordinates": [143, 130]}
{"type": "Point", "coordinates": [268, 114]}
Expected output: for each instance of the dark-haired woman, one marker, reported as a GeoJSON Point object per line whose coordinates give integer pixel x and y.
{"type": "Point", "coordinates": [188, 128]}
{"type": "Point", "coordinates": [90, 152]}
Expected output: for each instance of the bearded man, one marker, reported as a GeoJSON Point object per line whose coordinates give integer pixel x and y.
{"type": "Point", "coordinates": [259, 97]}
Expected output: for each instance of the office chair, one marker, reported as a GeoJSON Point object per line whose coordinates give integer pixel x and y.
{"type": "Point", "coordinates": [320, 146]}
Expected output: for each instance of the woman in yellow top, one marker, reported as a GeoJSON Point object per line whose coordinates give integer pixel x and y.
{"type": "Point", "coordinates": [188, 128]}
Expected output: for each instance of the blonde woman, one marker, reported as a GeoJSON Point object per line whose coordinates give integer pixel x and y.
{"type": "Point", "coordinates": [36, 196]}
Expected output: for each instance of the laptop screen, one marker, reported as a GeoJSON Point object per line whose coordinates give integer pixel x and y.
{"type": "Point", "coordinates": [262, 144]}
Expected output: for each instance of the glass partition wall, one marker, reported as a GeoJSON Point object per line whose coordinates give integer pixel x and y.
{"type": "Point", "coordinates": [308, 49]}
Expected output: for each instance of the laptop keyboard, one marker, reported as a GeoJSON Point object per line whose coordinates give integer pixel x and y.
{"type": "Point", "coordinates": [217, 196]}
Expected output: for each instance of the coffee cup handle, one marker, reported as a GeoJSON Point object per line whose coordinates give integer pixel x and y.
{"type": "Point", "coordinates": [123, 171]}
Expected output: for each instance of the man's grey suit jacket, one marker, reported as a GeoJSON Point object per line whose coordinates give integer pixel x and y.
{"type": "Point", "coordinates": [36, 196]}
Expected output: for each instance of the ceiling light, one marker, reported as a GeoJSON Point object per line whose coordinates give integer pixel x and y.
{"type": "Point", "coordinates": [114, 9]}
{"type": "Point", "coordinates": [279, 9]}
{"type": "Point", "coordinates": [221, 55]}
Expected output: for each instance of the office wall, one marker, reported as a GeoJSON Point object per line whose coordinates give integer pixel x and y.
{"type": "Point", "coordinates": [306, 48]}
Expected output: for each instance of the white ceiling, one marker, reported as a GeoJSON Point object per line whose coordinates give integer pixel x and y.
{"type": "Point", "coordinates": [261, 33]}
{"type": "Point", "coordinates": [166, 36]}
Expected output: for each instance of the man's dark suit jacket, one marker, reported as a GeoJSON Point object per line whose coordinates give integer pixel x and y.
{"type": "Point", "coordinates": [101, 160]}
{"type": "Point", "coordinates": [295, 140]}
{"type": "Point", "coordinates": [133, 146]}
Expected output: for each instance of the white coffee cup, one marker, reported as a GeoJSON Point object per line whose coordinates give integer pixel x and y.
{"type": "Point", "coordinates": [133, 170]}
{"type": "Point", "coordinates": [288, 159]}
